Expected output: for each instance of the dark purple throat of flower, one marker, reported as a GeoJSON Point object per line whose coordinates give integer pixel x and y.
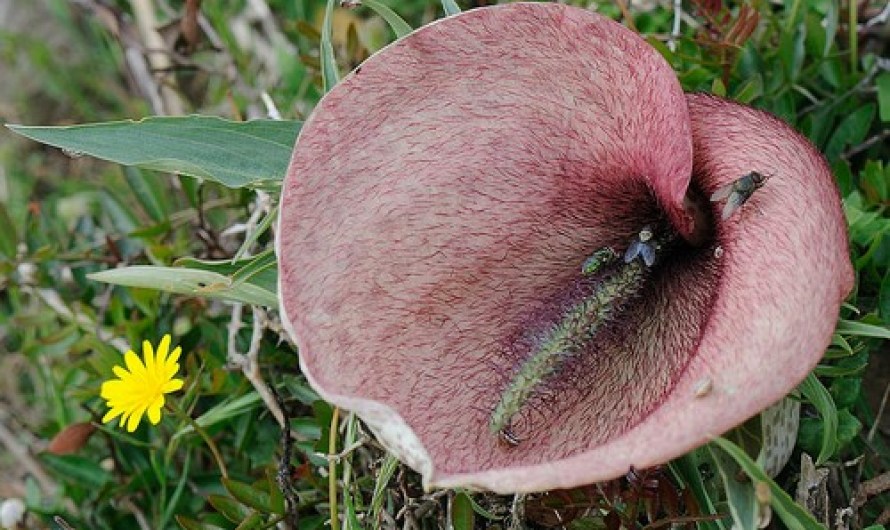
{"type": "Point", "coordinates": [593, 306]}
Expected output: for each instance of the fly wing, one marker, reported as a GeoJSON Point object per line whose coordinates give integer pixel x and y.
{"type": "Point", "coordinates": [642, 250]}
{"type": "Point", "coordinates": [735, 201]}
{"type": "Point", "coordinates": [722, 192]}
{"type": "Point", "coordinates": [633, 251]}
{"type": "Point", "coordinates": [648, 254]}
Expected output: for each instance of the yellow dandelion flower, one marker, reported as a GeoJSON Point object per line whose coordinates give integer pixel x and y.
{"type": "Point", "coordinates": [140, 388]}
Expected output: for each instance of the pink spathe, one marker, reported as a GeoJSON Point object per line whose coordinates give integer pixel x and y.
{"type": "Point", "coordinates": [443, 195]}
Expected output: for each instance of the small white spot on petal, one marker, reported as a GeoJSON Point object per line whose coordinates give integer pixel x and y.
{"type": "Point", "coordinates": [703, 387]}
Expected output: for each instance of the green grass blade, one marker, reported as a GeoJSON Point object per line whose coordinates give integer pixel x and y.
{"type": "Point", "coordinates": [861, 329]}
{"type": "Point", "coordinates": [792, 514]}
{"type": "Point", "coordinates": [177, 492]}
{"type": "Point", "coordinates": [687, 468]}
{"type": "Point", "coordinates": [224, 412]}
{"type": "Point", "coordinates": [743, 505]}
{"type": "Point", "coordinates": [329, 74]}
{"type": "Point", "coordinates": [260, 229]}
{"type": "Point", "coordinates": [397, 23]}
{"type": "Point", "coordinates": [818, 395]}
{"type": "Point", "coordinates": [387, 470]}
{"type": "Point", "coordinates": [450, 7]}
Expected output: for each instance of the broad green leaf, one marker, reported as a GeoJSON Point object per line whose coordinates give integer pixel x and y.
{"type": "Point", "coordinates": [844, 176]}
{"type": "Point", "coordinates": [792, 51]}
{"type": "Point", "coordinates": [792, 514]}
{"type": "Point", "coordinates": [191, 282]}
{"type": "Point", "coordinates": [462, 512]}
{"type": "Point", "coordinates": [397, 23]}
{"type": "Point", "coordinates": [255, 498]}
{"type": "Point", "coordinates": [815, 42]}
{"type": "Point", "coordinates": [80, 470]}
{"type": "Point", "coordinates": [254, 521]}
{"type": "Point", "coordinates": [229, 508]}
{"type": "Point", "coordinates": [276, 497]}
{"type": "Point", "coordinates": [831, 70]}
{"type": "Point", "coordinates": [848, 427]}
{"type": "Point", "coordinates": [874, 179]}
{"type": "Point", "coordinates": [235, 154]}
{"type": "Point", "coordinates": [851, 130]}
{"type": "Point", "coordinates": [819, 396]}
{"type": "Point", "coordinates": [749, 90]}
{"type": "Point", "coordinates": [845, 391]}
{"type": "Point", "coordinates": [450, 7]}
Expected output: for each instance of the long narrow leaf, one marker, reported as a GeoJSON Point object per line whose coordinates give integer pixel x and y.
{"type": "Point", "coordinates": [234, 154]}
{"type": "Point", "coordinates": [397, 23]}
{"type": "Point", "coordinates": [861, 329]}
{"type": "Point", "coordinates": [792, 514]}
{"type": "Point", "coordinates": [387, 470]}
{"type": "Point", "coordinates": [260, 270]}
{"type": "Point", "coordinates": [450, 7]}
{"type": "Point", "coordinates": [740, 495]}
{"type": "Point", "coordinates": [818, 395]}
{"type": "Point", "coordinates": [260, 230]}
{"type": "Point", "coordinates": [191, 282]}
{"type": "Point", "coordinates": [224, 412]}
{"type": "Point", "coordinates": [329, 74]}
{"type": "Point", "coordinates": [177, 492]}
{"type": "Point", "coordinates": [687, 468]}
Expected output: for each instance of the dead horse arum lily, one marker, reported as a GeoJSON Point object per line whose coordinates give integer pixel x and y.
{"type": "Point", "coordinates": [497, 246]}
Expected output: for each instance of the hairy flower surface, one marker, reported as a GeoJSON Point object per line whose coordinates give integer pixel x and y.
{"type": "Point", "coordinates": [140, 387]}
{"type": "Point", "coordinates": [437, 223]}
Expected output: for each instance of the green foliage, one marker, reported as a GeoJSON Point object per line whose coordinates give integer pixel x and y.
{"type": "Point", "coordinates": [819, 397]}
{"type": "Point", "coordinates": [194, 282]}
{"type": "Point", "coordinates": [792, 514]}
{"type": "Point", "coordinates": [234, 154]}
{"type": "Point", "coordinates": [95, 258]}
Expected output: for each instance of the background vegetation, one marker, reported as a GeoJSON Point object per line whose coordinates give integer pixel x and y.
{"type": "Point", "coordinates": [822, 66]}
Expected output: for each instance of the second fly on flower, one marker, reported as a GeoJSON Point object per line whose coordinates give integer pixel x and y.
{"type": "Point", "coordinates": [738, 192]}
